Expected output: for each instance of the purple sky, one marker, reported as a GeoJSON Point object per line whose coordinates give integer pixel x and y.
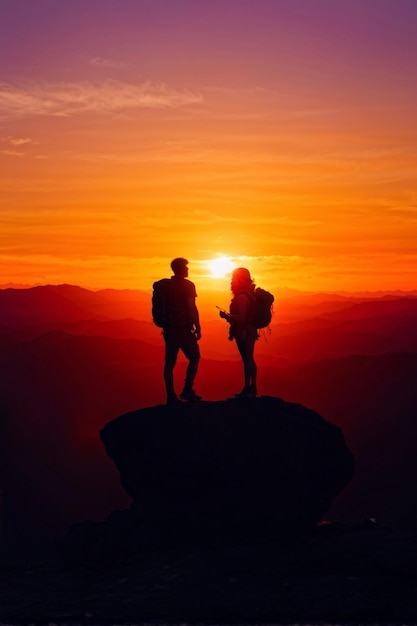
{"type": "Point", "coordinates": [207, 112]}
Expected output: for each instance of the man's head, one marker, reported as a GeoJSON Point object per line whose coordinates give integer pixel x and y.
{"type": "Point", "coordinates": [180, 267]}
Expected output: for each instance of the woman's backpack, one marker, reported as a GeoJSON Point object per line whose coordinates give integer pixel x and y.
{"type": "Point", "coordinates": [262, 308]}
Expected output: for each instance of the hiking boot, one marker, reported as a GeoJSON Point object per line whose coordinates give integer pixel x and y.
{"type": "Point", "coordinates": [189, 395]}
{"type": "Point", "coordinates": [172, 398]}
{"type": "Point", "coordinates": [247, 392]}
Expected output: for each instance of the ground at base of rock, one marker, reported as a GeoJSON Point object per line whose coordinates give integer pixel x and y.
{"type": "Point", "coordinates": [339, 574]}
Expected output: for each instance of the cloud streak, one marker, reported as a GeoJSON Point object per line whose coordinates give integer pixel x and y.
{"type": "Point", "coordinates": [13, 153]}
{"type": "Point", "coordinates": [107, 63]}
{"type": "Point", "coordinates": [64, 99]}
{"type": "Point", "coordinates": [18, 141]}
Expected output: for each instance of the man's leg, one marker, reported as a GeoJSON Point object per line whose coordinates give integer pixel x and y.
{"type": "Point", "coordinates": [171, 353]}
{"type": "Point", "coordinates": [191, 350]}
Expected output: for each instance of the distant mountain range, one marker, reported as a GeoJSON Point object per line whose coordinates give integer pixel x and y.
{"type": "Point", "coordinates": [73, 359]}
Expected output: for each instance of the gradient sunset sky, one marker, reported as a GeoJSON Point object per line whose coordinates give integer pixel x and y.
{"type": "Point", "coordinates": [280, 133]}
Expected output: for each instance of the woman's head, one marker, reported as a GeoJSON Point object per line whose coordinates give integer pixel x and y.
{"type": "Point", "coordinates": [241, 280]}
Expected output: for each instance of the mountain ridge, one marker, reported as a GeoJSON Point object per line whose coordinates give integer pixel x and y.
{"type": "Point", "coordinates": [65, 377]}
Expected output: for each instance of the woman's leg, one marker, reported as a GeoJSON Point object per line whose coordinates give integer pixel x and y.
{"type": "Point", "coordinates": [246, 349]}
{"type": "Point", "coordinates": [253, 369]}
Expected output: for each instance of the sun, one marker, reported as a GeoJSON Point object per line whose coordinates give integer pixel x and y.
{"type": "Point", "coordinates": [221, 266]}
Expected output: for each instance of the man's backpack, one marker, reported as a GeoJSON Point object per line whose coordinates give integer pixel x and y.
{"type": "Point", "coordinates": [162, 302]}
{"type": "Point", "coordinates": [262, 308]}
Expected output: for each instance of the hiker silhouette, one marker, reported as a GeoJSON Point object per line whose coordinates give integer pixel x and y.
{"type": "Point", "coordinates": [174, 309]}
{"type": "Point", "coordinates": [242, 329]}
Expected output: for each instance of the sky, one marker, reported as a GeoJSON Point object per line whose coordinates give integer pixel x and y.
{"type": "Point", "coordinates": [278, 133]}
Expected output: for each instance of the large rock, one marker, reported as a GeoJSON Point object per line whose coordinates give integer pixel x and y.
{"type": "Point", "coordinates": [254, 466]}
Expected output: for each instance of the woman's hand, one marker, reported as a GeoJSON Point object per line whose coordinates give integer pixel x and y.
{"type": "Point", "coordinates": [224, 315]}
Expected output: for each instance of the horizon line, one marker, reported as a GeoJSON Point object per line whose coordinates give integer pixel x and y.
{"type": "Point", "coordinates": [282, 289]}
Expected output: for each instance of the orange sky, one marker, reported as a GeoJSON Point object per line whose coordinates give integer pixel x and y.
{"type": "Point", "coordinates": [280, 134]}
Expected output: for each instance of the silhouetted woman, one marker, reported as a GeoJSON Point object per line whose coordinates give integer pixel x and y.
{"type": "Point", "coordinates": [241, 328]}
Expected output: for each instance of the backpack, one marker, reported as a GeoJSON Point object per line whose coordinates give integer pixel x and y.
{"type": "Point", "coordinates": [162, 302]}
{"type": "Point", "coordinates": [262, 308]}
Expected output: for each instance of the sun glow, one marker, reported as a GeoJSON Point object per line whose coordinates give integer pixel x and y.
{"type": "Point", "coordinates": [221, 266]}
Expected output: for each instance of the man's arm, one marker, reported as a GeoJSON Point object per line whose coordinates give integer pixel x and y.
{"type": "Point", "coordinates": [195, 318]}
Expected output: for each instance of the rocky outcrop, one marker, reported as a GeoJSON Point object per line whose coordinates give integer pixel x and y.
{"type": "Point", "coordinates": [251, 468]}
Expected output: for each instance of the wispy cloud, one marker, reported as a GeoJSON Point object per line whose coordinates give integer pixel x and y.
{"type": "Point", "coordinates": [15, 142]}
{"type": "Point", "coordinates": [14, 153]}
{"type": "Point", "coordinates": [102, 62]}
{"type": "Point", "coordinates": [67, 99]}
{"type": "Point", "coordinates": [18, 141]}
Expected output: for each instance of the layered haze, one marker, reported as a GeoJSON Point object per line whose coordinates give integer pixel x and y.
{"type": "Point", "coordinates": [73, 359]}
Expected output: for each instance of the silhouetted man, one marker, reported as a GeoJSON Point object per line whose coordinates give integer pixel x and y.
{"type": "Point", "coordinates": [182, 332]}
